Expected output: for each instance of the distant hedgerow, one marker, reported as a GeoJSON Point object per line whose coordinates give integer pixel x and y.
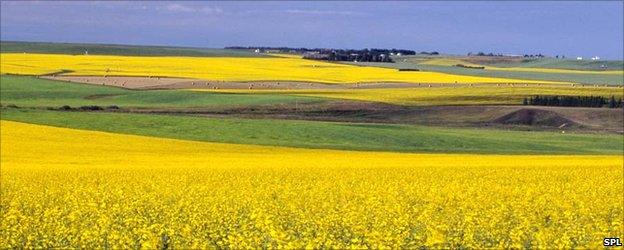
{"type": "Point", "coordinates": [574, 101]}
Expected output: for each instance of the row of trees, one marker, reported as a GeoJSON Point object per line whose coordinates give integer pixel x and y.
{"type": "Point", "coordinates": [328, 50]}
{"type": "Point", "coordinates": [276, 49]}
{"type": "Point", "coordinates": [574, 101]}
{"type": "Point", "coordinates": [363, 55]}
{"type": "Point", "coordinates": [359, 56]}
{"type": "Point", "coordinates": [533, 56]}
{"type": "Point", "coordinates": [483, 54]}
{"type": "Point", "coordinates": [501, 55]}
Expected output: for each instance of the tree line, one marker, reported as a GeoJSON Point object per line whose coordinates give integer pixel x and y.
{"type": "Point", "coordinates": [501, 55]}
{"type": "Point", "coordinates": [359, 55]}
{"type": "Point", "coordinates": [329, 50]}
{"type": "Point", "coordinates": [574, 101]}
{"type": "Point", "coordinates": [363, 55]}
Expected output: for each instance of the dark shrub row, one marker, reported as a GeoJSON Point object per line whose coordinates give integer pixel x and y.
{"type": "Point", "coordinates": [574, 101]}
{"type": "Point", "coordinates": [88, 108]}
{"type": "Point", "coordinates": [469, 67]}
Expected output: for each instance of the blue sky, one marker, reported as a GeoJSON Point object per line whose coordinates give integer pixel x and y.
{"type": "Point", "coordinates": [571, 28]}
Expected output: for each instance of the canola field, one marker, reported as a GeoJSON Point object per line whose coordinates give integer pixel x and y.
{"type": "Point", "coordinates": [65, 188]}
{"type": "Point", "coordinates": [224, 69]}
{"type": "Point", "coordinates": [445, 95]}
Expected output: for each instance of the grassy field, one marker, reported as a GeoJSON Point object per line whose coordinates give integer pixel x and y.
{"type": "Point", "coordinates": [34, 92]}
{"type": "Point", "coordinates": [574, 77]}
{"type": "Point", "coordinates": [74, 188]}
{"type": "Point", "coordinates": [311, 134]}
{"type": "Point", "coordinates": [223, 69]}
{"type": "Point", "coordinates": [122, 50]}
{"type": "Point", "coordinates": [511, 67]}
{"type": "Point", "coordinates": [537, 74]}
{"type": "Point", "coordinates": [554, 63]}
{"type": "Point", "coordinates": [40, 93]}
{"type": "Point", "coordinates": [445, 95]}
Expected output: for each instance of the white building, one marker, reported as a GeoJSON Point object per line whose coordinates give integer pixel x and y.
{"type": "Point", "coordinates": [595, 58]}
{"type": "Point", "coordinates": [579, 58]}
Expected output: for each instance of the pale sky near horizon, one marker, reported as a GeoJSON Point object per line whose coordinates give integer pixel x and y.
{"type": "Point", "coordinates": [570, 28]}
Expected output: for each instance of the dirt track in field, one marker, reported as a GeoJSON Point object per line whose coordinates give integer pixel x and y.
{"type": "Point", "coordinates": [144, 83]}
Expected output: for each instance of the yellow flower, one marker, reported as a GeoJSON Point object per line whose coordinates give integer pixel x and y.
{"type": "Point", "coordinates": [212, 195]}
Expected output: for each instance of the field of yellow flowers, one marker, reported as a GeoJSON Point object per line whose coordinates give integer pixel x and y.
{"type": "Point", "coordinates": [68, 188]}
{"type": "Point", "coordinates": [223, 69]}
{"type": "Point", "coordinates": [446, 95]}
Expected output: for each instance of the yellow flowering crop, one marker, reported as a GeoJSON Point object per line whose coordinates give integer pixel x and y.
{"type": "Point", "coordinates": [223, 69]}
{"type": "Point", "coordinates": [64, 188]}
{"type": "Point", "coordinates": [465, 95]}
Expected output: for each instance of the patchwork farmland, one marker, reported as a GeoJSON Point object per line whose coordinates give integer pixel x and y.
{"type": "Point", "coordinates": [169, 147]}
